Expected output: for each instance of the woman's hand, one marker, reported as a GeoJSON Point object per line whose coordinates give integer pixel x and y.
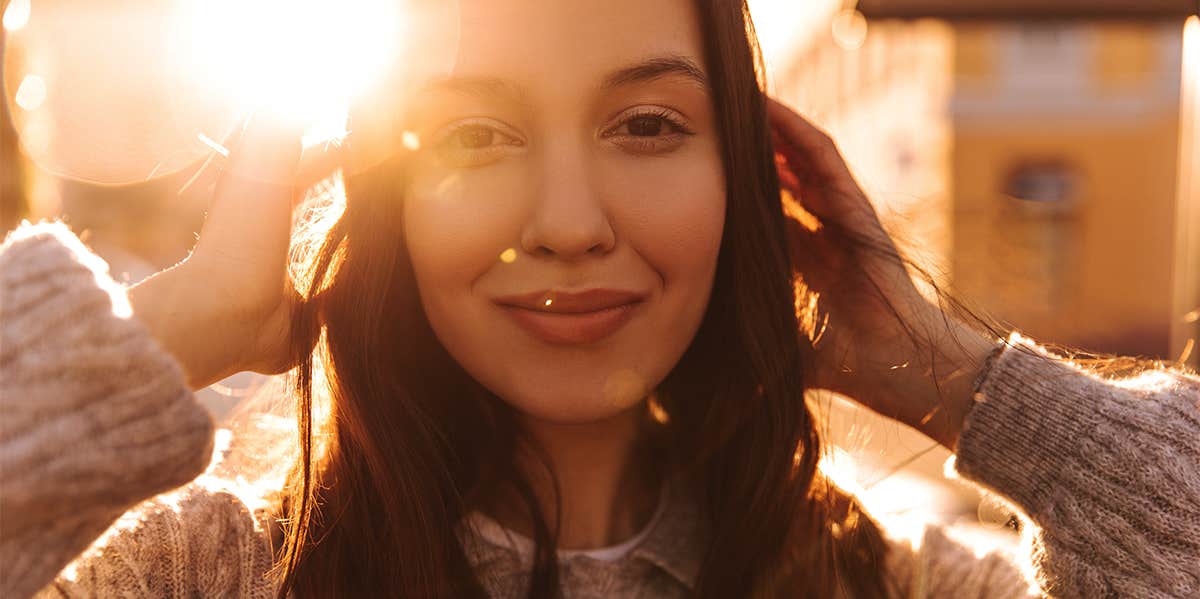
{"type": "Point", "coordinates": [883, 344]}
{"type": "Point", "coordinates": [228, 306]}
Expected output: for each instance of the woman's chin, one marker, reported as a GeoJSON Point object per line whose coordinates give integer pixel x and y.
{"type": "Point", "coordinates": [614, 394]}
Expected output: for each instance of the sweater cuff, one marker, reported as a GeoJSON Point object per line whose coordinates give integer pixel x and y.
{"type": "Point", "coordinates": [97, 416]}
{"type": "Point", "coordinates": [1041, 428]}
{"type": "Point", "coordinates": [1029, 413]}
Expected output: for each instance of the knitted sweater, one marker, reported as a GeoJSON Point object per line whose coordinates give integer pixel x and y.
{"type": "Point", "coordinates": [96, 421]}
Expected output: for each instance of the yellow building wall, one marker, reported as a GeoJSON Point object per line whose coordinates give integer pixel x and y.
{"type": "Point", "coordinates": [1097, 275]}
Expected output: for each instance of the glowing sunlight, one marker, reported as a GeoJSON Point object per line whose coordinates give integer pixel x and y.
{"type": "Point", "coordinates": [160, 86]}
{"type": "Point", "coordinates": [302, 58]}
{"type": "Point", "coordinates": [16, 15]}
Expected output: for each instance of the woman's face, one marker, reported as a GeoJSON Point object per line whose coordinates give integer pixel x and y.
{"type": "Point", "coordinates": [571, 150]}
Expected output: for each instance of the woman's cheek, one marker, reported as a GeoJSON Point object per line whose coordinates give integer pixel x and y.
{"type": "Point", "coordinates": [674, 213]}
{"type": "Point", "coordinates": [457, 224]}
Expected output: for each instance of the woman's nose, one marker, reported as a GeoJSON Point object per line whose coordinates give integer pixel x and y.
{"type": "Point", "coordinates": [569, 219]}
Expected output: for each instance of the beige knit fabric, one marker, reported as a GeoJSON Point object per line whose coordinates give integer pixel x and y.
{"type": "Point", "coordinates": [96, 420]}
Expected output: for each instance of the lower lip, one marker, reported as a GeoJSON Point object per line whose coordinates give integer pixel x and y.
{"type": "Point", "coordinates": [579, 328]}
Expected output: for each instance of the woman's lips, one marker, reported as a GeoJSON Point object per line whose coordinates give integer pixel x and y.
{"type": "Point", "coordinates": [566, 317]}
{"type": "Point", "coordinates": [573, 327]}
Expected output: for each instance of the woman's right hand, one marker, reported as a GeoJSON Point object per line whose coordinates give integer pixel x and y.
{"type": "Point", "coordinates": [228, 307]}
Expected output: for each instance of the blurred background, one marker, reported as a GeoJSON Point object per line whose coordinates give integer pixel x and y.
{"type": "Point", "coordinates": [1041, 158]}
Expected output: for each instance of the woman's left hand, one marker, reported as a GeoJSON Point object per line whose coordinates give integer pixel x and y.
{"type": "Point", "coordinates": [883, 344]}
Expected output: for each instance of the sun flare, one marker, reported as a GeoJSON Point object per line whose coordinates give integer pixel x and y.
{"type": "Point", "coordinates": [304, 60]}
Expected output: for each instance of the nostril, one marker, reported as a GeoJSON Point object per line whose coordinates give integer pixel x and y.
{"type": "Point", "coordinates": [566, 236]}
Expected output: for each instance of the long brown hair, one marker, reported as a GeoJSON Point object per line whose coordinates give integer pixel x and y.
{"type": "Point", "coordinates": [408, 442]}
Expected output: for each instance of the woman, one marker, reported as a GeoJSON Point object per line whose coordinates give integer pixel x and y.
{"type": "Point", "coordinates": [566, 321]}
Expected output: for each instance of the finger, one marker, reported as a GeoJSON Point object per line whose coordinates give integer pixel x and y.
{"type": "Point", "coordinates": [803, 142]}
{"type": "Point", "coordinates": [813, 190]}
{"type": "Point", "coordinates": [253, 198]}
{"type": "Point", "coordinates": [824, 182]}
{"type": "Point", "coordinates": [268, 151]}
{"type": "Point", "coordinates": [811, 199]}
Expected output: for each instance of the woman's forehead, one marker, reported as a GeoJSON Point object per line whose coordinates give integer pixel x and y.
{"type": "Point", "coordinates": [574, 44]}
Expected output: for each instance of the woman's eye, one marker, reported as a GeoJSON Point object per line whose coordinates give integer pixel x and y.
{"type": "Point", "coordinates": [650, 132]}
{"type": "Point", "coordinates": [651, 125]}
{"type": "Point", "coordinates": [473, 143]}
{"type": "Point", "coordinates": [474, 136]}
{"type": "Point", "coordinates": [645, 126]}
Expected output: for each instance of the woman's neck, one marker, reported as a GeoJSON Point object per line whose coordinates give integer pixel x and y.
{"type": "Point", "coordinates": [609, 482]}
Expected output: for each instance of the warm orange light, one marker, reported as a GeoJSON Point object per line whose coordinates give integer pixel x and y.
{"type": "Point", "coordinates": [1191, 36]}
{"type": "Point", "coordinates": [793, 210]}
{"type": "Point", "coordinates": [1187, 218]}
{"type": "Point", "coordinates": [785, 25]}
{"type": "Point", "coordinates": [303, 59]}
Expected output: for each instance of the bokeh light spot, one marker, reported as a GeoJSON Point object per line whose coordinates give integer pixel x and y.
{"type": "Point", "coordinates": [411, 140]}
{"type": "Point", "coordinates": [31, 94]}
{"type": "Point", "coordinates": [624, 387]}
{"type": "Point", "coordinates": [16, 15]}
{"type": "Point", "coordinates": [657, 411]}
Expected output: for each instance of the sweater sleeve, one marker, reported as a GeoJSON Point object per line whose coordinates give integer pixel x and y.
{"type": "Point", "coordinates": [1106, 470]}
{"type": "Point", "coordinates": [95, 416]}
{"type": "Point", "coordinates": [199, 541]}
{"type": "Point", "coordinates": [935, 565]}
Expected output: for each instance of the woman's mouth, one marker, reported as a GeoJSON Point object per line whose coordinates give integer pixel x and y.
{"type": "Point", "coordinates": [571, 318]}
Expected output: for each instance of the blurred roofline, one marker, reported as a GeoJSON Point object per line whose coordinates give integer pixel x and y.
{"type": "Point", "coordinates": [1027, 10]}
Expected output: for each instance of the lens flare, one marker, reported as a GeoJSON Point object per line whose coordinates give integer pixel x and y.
{"type": "Point", "coordinates": [410, 140]}
{"type": "Point", "coordinates": [32, 92]}
{"type": "Point", "coordinates": [16, 15]}
{"type": "Point", "coordinates": [302, 59]}
{"type": "Point", "coordinates": [133, 87]}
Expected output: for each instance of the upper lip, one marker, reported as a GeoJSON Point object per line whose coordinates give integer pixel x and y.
{"type": "Point", "coordinates": [566, 302]}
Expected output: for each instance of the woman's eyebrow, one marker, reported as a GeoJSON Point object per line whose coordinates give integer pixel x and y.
{"type": "Point", "coordinates": [656, 68]}
{"type": "Point", "coordinates": [486, 88]}
{"type": "Point", "coordinates": [650, 69]}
